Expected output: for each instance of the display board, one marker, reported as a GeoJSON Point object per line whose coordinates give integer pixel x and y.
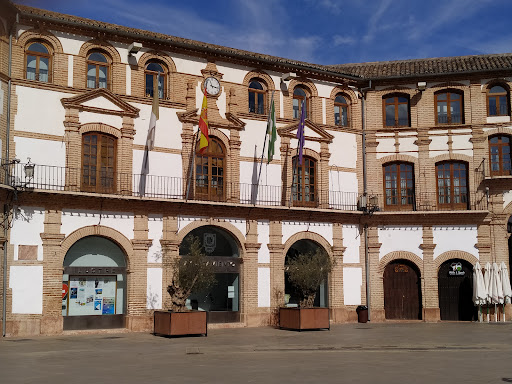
{"type": "Point", "coordinates": [92, 295]}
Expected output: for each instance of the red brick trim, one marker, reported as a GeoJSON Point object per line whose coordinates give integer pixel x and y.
{"type": "Point", "coordinates": [397, 255]}
{"type": "Point", "coordinates": [100, 127]}
{"type": "Point", "coordinates": [454, 255]}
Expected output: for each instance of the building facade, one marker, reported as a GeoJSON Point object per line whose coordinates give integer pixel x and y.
{"type": "Point", "coordinates": [406, 175]}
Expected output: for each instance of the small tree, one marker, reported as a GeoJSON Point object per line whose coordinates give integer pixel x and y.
{"type": "Point", "coordinates": [191, 274]}
{"type": "Point", "coordinates": [307, 271]}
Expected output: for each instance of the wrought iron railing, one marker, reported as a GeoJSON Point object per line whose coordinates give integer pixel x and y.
{"type": "Point", "coordinates": [53, 178]}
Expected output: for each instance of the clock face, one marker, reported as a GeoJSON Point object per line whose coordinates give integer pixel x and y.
{"type": "Point", "coordinates": [212, 86]}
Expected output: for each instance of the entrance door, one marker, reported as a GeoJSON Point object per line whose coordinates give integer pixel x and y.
{"type": "Point", "coordinates": [402, 291]}
{"type": "Point", "coordinates": [455, 282]}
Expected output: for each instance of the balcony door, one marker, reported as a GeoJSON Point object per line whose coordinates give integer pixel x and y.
{"type": "Point", "coordinates": [98, 163]}
{"type": "Point", "coordinates": [209, 172]}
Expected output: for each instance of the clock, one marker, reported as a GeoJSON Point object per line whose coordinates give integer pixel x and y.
{"type": "Point", "coordinates": [212, 86]}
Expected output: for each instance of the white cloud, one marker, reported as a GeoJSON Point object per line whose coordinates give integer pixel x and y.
{"type": "Point", "coordinates": [343, 40]}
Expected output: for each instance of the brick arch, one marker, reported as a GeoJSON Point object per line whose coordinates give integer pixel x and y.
{"type": "Point", "coordinates": [448, 255]}
{"type": "Point", "coordinates": [160, 56]}
{"type": "Point", "coordinates": [308, 84]}
{"type": "Point", "coordinates": [351, 94]}
{"type": "Point", "coordinates": [311, 153]}
{"type": "Point", "coordinates": [399, 89]}
{"type": "Point", "coordinates": [100, 45]}
{"type": "Point", "coordinates": [97, 230]}
{"type": "Point", "coordinates": [400, 255]}
{"type": "Point", "coordinates": [449, 85]}
{"type": "Point", "coordinates": [100, 127]}
{"type": "Point", "coordinates": [498, 130]}
{"type": "Point", "coordinates": [258, 73]}
{"type": "Point", "coordinates": [40, 34]}
{"type": "Point", "coordinates": [498, 81]}
{"type": "Point", "coordinates": [320, 240]}
{"type": "Point", "coordinates": [399, 157]}
{"type": "Point", "coordinates": [452, 157]}
{"type": "Point", "coordinates": [228, 227]}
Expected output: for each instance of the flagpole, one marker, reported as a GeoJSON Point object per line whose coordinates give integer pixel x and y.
{"type": "Point", "coordinates": [300, 146]}
{"type": "Point", "coordinates": [192, 161]}
{"type": "Point", "coordinates": [264, 145]}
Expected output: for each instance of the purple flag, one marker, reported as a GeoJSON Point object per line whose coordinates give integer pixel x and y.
{"type": "Point", "coordinates": [300, 130]}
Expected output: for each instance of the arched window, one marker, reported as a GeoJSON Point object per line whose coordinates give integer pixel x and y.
{"type": "Point", "coordinates": [341, 111]}
{"type": "Point", "coordinates": [497, 101]}
{"type": "Point", "coordinates": [452, 185]}
{"type": "Point", "coordinates": [98, 162]}
{"type": "Point", "coordinates": [396, 111]}
{"type": "Point", "coordinates": [155, 72]}
{"type": "Point", "coordinates": [499, 153]}
{"type": "Point", "coordinates": [98, 67]}
{"type": "Point", "coordinates": [38, 61]}
{"type": "Point", "coordinates": [304, 189]}
{"type": "Point", "coordinates": [300, 95]}
{"type": "Point", "coordinates": [399, 186]}
{"type": "Point", "coordinates": [210, 177]}
{"type": "Point", "coordinates": [257, 96]}
{"type": "Point", "coordinates": [449, 107]}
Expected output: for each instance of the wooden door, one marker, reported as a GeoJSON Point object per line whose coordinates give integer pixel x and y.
{"type": "Point", "coordinates": [455, 282]}
{"type": "Point", "coordinates": [402, 291]}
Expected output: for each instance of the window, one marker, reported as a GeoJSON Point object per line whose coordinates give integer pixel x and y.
{"type": "Point", "coordinates": [299, 95]}
{"type": "Point", "coordinates": [38, 62]}
{"type": "Point", "coordinates": [497, 101]}
{"type": "Point", "coordinates": [210, 178]}
{"type": "Point", "coordinates": [257, 95]}
{"type": "Point", "coordinates": [341, 111]}
{"type": "Point", "coordinates": [97, 70]}
{"type": "Point", "coordinates": [396, 111]}
{"type": "Point", "coordinates": [98, 163]}
{"type": "Point", "coordinates": [304, 182]}
{"type": "Point", "coordinates": [452, 181]}
{"type": "Point", "coordinates": [499, 152]}
{"type": "Point", "coordinates": [399, 186]}
{"type": "Point", "coordinates": [154, 71]}
{"type": "Point", "coordinates": [449, 108]}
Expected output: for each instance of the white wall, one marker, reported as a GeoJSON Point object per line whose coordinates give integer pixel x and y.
{"type": "Point", "coordinates": [455, 238]}
{"type": "Point", "coordinates": [232, 72]}
{"type": "Point", "coordinates": [270, 175]}
{"type": "Point", "coordinates": [161, 164]}
{"type": "Point", "coordinates": [507, 198]}
{"type": "Point", "coordinates": [263, 287]}
{"type": "Point", "coordinates": [40, 111]}
{"type": "Point", "coordinates": [41, 152]}
{"type": "Point", "coordinates": [73, 219]}
{"type": "Point", "coordinates": [27, 228]}
{"type": "Point", "coordinates": [26, 283]}
{"type": "Point", "coordinates": [188, 64]}
{"type": "Point", "coordinates": [343, 150]}
{"type": "Point", "coordinates": [352, 282]}
{"type": "Point", "coordinates": [385, 147]}
{"type": "Point", "coordinates": [254, 136]}
{"type": "Point", "coordinates": [290, 228]}
{"type": "Point", "coordinates": [168, 127]}
{"type": "Point", "coordinates": [264, 240]}
{"type": "Point", "coordinates": [351, 242]}
{"type": "Point", "coordinates": [154, 288]}
{"type": "Point", "coordinates": [407, 146]}
{"type": "Point", "coordinates": [239, 224]}
{"type": "Point", "coordinates": [155, 229]}
{"type": "Point", "coordinates": [343, 181]}
{"type": "Point", "coordinates": [71, 43]}
{"type": "Point", "coordinates": [92, 117]}
{"type": "Point", "coordinates": [400, 238]}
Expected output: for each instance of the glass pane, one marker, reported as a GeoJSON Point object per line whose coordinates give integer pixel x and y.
{"type": "Point", "coordinates": [43, 69]}
{"type": "Point", "coordinates": [38, 47]}
{"type": "Point", "coordinates": [390, 115]}
{"type": "Point", "coordinates": [31, 67]}
{"type": "Point", "coordinates": [149, 85]}
{"type": "Point", "coordinates": [96, 56]}
{"type": "Point", "coordinates": [155, 67]}
{"type": "Point", "coordinates": [337, 119]}
{"type": "Point", "coordinates": [403, 115]}
{"type": "Point", "coordinates": [299, 92]}
{"type": "Point", "coordinates": [102, 72]}
{"type": "Point", "coordinates": [402, 100]}
{"type": "Point", "coordinates": [497, 89]}
{"type": "Point", "coordinates": [340, 99]}
{"type": "Point", "coordinates": [344, 118]}
{"type": "Point", "coordinates": [455, 112]}
{"type": "Point", "coordinates": [260, 103]}
{"type": "Point", "coordinates": [442, 113]}
{"type": "Point", "coordinates": [91, 76]}
{"type": "Point", "coordinates": [296, 112]}
{"type": "Point", "coordinates": [161, 87]}
{"type": "Point", "coordinates": [493, 111]}
{"type": "Point", "coordinates": [256, 85]}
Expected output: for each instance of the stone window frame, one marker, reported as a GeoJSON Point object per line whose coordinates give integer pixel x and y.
{"type": "Point", "coordinates": [506, 93]}
{"type": "Point", "coordinates": [171, 86]}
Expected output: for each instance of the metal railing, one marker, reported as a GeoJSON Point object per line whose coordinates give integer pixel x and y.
{"type": "Point", "coordinates": [53, 178]}
{"type": "Point", "coordinates": [496, 169]}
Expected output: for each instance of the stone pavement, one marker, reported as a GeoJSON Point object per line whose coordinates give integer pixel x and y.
{"type": "Point", "coordinates": [348, 353]}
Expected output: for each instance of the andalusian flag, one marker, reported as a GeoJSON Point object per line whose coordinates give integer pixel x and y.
{"type": "Point", "coordinates": [203, 126]}
{"type": "Point", "coordinates": [271, 130]}
{"type": "Point", "coordinates": [150, 142]}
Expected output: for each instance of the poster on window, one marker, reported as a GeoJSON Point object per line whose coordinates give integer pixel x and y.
{"type": "Point", "coordinates": [92, 295]}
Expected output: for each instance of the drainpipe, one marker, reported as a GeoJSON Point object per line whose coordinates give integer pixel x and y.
{"type": "Point", "coordinates": [365, 191]}
{"type": "Point", "coordinates": [6, 207]}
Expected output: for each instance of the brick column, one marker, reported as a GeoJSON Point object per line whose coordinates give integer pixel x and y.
{"type": "Point", "coordinates": [323, 185]}
{"type": "Point", "coordinates": [138, 318]}
{"type": "Point", "coordinates": [429, 280]}
{"type": "Point", "coordinates": [125, 157]}
{"type": "Point", "coordinates": [377, 312]}
{"type": "Point", "coordinates": [336, 303]}
{"type": "Point", "coordinates": [187, 143]}
{"type": "Point", "coordinates": [277, 257]}
{"type": "Point", "coordinates": [250, 310]}
{"type": "Point", "coordinates": [286, 169]}
{"type": "Point", "coordinates": [52, 321]}
{"type": "Point", "coordinates": [233, 190]}
{"type": "Point", "coordinates": [73, 149]}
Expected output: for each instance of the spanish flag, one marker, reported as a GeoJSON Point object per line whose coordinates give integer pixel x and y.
{"type": "Point", "coordinates": [203, 126]}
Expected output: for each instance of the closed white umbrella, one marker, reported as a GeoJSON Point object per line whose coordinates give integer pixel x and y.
{"type": "Point", "coordinates": [487, 284]}
{"type": "Point", "coordinates": [479, 292]}
{"type": "Point", "coordinates": [507, 291]}
{"type": "Point", "coordinates": [496, 289]}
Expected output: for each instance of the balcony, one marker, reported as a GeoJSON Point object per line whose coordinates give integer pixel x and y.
{"type": "Point", "coordinates": [62, 179]}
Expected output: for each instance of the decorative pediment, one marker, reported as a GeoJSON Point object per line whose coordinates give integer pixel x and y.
{"type": "Point", "coordinates": [312, 132]}
{"type": "Point", "coordinates": [230, 122]}
{"type": "Point", "coordinates": [101, 100]}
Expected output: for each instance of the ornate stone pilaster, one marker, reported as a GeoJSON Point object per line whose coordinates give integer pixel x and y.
{"type": "Point", "coordinates": [324, 175]}
{"type": "Point", "coordinates": [376, 279]}
{"type": "Point", "coordinates": [125, 156]}
{"type": "Point", "coordinates": [429, 288]}
{"type": "Point", "coordinates": [73, 148]}
{"type": "Point", "coordinates": [234, 165]}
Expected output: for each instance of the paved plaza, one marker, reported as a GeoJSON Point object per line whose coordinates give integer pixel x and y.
{"type": "Point", "coordinates": [348, 353]}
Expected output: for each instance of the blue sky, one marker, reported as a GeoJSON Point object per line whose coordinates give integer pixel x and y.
{"type": "Point", "coordinates": [318, 31]}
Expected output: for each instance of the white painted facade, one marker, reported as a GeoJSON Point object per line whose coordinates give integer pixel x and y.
{"type": "Point", "coordinates": [400, 238]}
{"type": "Point", "coordinates": [290, 228]}
{"type": "Point", "coordinates": [26, 283]}
{"type": "Point", "coordinates": [352, 285]}
{"type": "Point", "coordinates": [27, 228]}
{"type": "Point", "coordinates": [74, 219]}
{"type": "Point", "coordinates": [263, 287]}
{"type": "Point", "coordinates": [455, 238]}
{"type": "Point", "coordinates": [351, 242]}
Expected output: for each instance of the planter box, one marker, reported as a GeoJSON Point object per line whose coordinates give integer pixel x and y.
{"type": "Point", "coordinates": [180, 323]}
{"type": "Point", "coordinates": [304, 318]}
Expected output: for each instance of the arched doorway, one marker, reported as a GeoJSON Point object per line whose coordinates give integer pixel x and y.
{"type": "Point", "coordinates": [222, 301]}
{"type": "Point", "coordinates": [455, 282]}
{"type": "Point", "coordinates": [292, 296]}
{"type": "Point", "coordinates": [402, 291]}
{"type": "Point", "coordinates": [94, 285]}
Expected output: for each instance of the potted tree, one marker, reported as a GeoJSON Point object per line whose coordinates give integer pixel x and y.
{"type": "Point", "coordinates": [191, 274]}
{"type": "Point", "coordinates": [306, 272]}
